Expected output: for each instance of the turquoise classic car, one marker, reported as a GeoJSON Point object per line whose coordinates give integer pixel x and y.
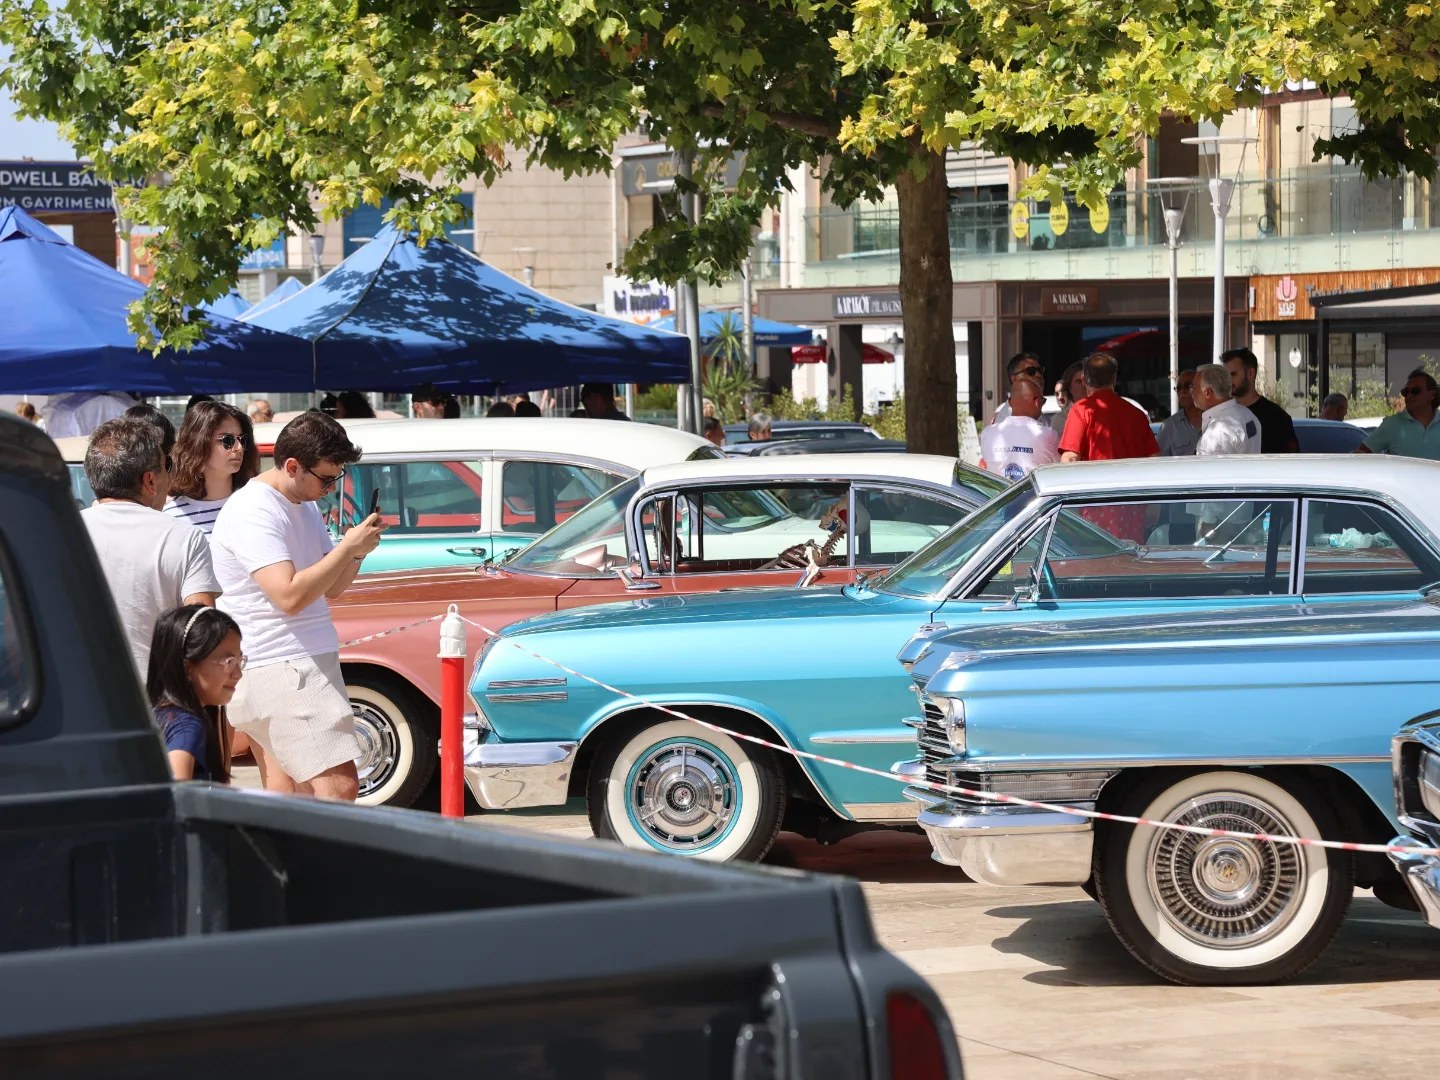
{"type": "Point", "coordinates": [1271, 723]}
{"type": "Point", "coordinates": [813, 669]}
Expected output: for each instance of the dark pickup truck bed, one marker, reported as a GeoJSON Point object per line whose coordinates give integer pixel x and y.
{"type": "Point", "coordinates": [149, 929]}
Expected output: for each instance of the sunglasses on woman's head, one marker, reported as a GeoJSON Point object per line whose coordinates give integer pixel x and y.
{"type": "Point", "coordinates": [228, 440]}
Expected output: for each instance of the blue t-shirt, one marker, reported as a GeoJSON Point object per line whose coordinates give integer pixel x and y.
{"type": "Point", "coordinates": [184, 731]}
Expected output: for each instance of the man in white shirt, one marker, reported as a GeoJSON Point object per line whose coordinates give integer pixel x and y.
{"type": "Point", "coordinates": [152, 562]}
{"type": "Point", "coordinates": [277, 564]}
{"type": "Point", "coordinates": [1022, 367]}
{"type": "Point", "coordinates": [1015, 445]}
{"type": "Point", "coordinates": [1226, 426]}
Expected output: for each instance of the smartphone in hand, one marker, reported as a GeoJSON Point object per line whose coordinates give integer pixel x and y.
{"type": "Point", "coordinates": [375, 501]}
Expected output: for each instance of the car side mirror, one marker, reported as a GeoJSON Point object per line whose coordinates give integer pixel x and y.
{"type": "Point", "coordinates": [633, 577]}
{"type": "Point", "coordinates": [1023, 594]}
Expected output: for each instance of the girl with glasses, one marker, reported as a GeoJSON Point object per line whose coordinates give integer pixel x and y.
{"type": "Point", "coordinates": [195, 666]}
{"type": "Point", "coordinates": [214, 457]}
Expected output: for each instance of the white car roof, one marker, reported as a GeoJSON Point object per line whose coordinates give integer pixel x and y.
{"type": "Point", "coordinates": [927, 468]}
{"type": "Point", "coordinates": [636, 446]}
{"type": "Point", "coordinates": [1410, 482]}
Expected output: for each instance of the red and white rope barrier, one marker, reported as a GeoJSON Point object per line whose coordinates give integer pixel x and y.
{"type": "Point", "coordinates": [951, 789]}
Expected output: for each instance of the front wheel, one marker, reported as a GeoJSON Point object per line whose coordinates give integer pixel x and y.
{"type": "Point", "coordinates": [679, 788]}
{"type": "Point", "coordinates": [1220, 911]}
{"type": "Point", "coordinates": [398, 751]}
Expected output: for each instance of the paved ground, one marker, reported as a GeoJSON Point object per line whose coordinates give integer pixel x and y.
{"type": "Point", "coordinates": [1039, 989]}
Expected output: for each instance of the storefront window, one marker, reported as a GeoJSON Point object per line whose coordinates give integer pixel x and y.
{"type": "Point", "coordinates": [1294, 375]}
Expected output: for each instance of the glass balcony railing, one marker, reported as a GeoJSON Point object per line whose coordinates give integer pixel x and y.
{"type": "Point", "coordinates": [1306, 204]}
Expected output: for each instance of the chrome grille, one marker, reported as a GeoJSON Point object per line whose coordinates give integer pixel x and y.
{"type": "Point", "coordinates": [932, 739]}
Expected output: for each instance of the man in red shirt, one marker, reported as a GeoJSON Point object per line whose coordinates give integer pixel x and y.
{"type": "Point", "coordinates": [1103, 426]}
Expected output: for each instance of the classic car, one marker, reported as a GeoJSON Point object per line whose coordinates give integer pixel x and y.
{"type": "Point", "coordinates": [1415, 764]}
{"type": "Point", "coordinates": [812, 669]}
{"type": "Point", "coordinates": [1274, 723]}
{"type": "Point", "coordinates": [674, 530]}
{"type": "Point", "coordinates": [738, 435]}
{"type": "Point", "coordinates": [463, 491]}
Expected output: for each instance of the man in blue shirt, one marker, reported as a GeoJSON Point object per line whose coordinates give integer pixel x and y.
{"type": "Point", "coordinates": [1414, 432]}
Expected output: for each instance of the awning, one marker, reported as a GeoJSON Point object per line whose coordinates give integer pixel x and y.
{"type": "Point", "coordinates": [820, 354]}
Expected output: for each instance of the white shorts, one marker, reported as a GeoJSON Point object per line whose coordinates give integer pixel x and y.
{"type": "Point", "coordinates": [299, 713]}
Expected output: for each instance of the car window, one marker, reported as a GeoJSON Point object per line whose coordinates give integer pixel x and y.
{"type": "Point", "coordinates": [1353, 547]}
{"type": "Point", "coordinates": [80, 486]}
{"type": "Point", "coordinates": [978, 484]}
{"type": "Point", "coordinates": [18, 687]}
{"type": "Point", "coordinates": [1017, 570]}
{"type": "Point", "coordinates": [708, 452]}
{"type": "Point", "coordinates": [929, 570]}
{"type": "Point", "coordinates": [748, 528]}
{"type": "Point", "coordinates": [415, 497]}
{"type": "Point", "coordinates": [893, 525]}
{"type": "Point", "coordinates": [589, 543]}
{"type": "Point", "coordinates": [1234, 547]}
{"type": "Point", "coordinates": [536, 496]}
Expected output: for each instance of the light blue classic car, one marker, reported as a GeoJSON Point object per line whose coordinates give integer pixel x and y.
{"type": "Point", "coordinates": [814, 670]}
{"type": "Point", "coordinates": [1267, 722]}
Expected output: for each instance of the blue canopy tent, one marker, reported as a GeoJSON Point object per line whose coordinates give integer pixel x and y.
{"type": "Point", "coordinates": [231, 306]}
{"type": "Point", "coordinates": [282, 292]}
{"type": "Point", "coordinates": [64, 316]}
{"type": "Point", "coordinates": [767, 331]}
{"type": "Point", "coordinates": [395, 315]}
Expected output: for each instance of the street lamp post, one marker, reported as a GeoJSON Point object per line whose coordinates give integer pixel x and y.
{"type": "Point", "coordinates": [1173, 207]}
{"type": "Point", "coordinates": [317, 249]}
{"type": "Point", "coordinates": [1222, 191]}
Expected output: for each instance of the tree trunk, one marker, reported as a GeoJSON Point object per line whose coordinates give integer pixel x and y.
{"type": "Point", "coordinates": [927, 308]}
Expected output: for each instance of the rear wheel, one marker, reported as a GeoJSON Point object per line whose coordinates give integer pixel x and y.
{"type": "Point", "coordinates": [398, 749]}
{"type": "Point", "coordinates": [1216, 910]}
{"type": "Point", "coordinates": [676, 787]}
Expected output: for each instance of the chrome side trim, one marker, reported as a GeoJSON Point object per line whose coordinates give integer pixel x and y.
{"type": "Point", "coordinates": [890, 811]}
{"type": "Point", "coordinates": [1084, 764]}
{"type": "Point", "coordinates": [504, 776]}
{"type": "Point", "coordinates": [551, 695]}
{"type": "Point", "coordinates": [515, 684]}
{"type": "Point", "coordinates": [901, 737]}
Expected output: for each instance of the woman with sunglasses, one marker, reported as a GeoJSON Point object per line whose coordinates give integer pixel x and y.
{"type": "Point", "coordinates": [195, 666]}
{"type": "Point", "coordinates": [214, 457]}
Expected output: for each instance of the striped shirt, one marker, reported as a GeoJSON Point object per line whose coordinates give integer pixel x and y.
{"type": "Point", "coordinates": [198, 512]}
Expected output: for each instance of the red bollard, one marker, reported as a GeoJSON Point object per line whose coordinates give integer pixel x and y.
{"type": "Point", "coordinates": [452, 714]}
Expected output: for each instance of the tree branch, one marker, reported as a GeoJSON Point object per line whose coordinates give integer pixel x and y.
{"type": "Point", "coordinates": [806, 125]}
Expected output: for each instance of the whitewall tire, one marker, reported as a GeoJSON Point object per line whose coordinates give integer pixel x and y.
{"type": "Point", "coordinates": [1220, 911]}
{"type": "Point", "coordinates": [398, 752]}
{"type": "Point", "coordinates": [676, 787]}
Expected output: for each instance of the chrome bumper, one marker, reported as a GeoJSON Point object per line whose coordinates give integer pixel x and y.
{"type": "Point", "coordinates": [507, 776]}
{"type": "Point", "coordinates": [1422, 876]}
{"type": "Point", "coordinates": [1006, 845]}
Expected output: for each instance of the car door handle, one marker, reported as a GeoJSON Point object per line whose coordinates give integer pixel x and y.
{"type": "Point", "coordinates": [478, 552]}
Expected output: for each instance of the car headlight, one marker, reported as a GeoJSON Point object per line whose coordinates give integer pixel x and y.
{"type": "Point", "coordinates": [1430, 783]}
{"type": "Point", "coordinates": [953, 712]}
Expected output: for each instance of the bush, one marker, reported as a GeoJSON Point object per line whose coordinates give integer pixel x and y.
{"type": "Point", "coordinates": [889, 422]}
{"type": "Point", "coordinates": [662, 397]}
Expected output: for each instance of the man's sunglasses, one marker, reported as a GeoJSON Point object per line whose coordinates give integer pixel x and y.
{"type": "Point", "coordinates": [326, 482]}
{"type": "Point", "coordinates": [1031, 371]}
{"type": "Point", "coordinates": [1412, 391]}
{"type": "Point", "coordinates": [228, 440]}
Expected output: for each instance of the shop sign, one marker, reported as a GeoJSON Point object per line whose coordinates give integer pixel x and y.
{"type": "Point", "coordinates": [56, 187]}
{"type": "Point", "coordinates": [865, 305]}
{"type": "Point", "coordinates": [1069, 300]}
{"type": "Point", "coordinates": [1020, 220]}
{"type": "Point", "coordinates": [266, 258]}
{"type": "Point", "coordinates": [637, 301]}
{"type": "Point", "coordinates": [1285, 293]}
{"type": "Point", "coordinates": [1059, 218]}
{"type": "Point", "coordinates": [652, 174]}
{"type": "Point", "coordinates": [1100, 217]}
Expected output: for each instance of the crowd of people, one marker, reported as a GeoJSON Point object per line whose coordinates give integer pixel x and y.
{"type": "Point", "coordinates": [1221, 412]}
{"type": "Point", "coordinates": [220, 572]}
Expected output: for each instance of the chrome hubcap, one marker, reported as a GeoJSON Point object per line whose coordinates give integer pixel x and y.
{"type": "Point", "coordinates": [684, 795]}
{"type": "Point", "coordinates": [379, 747]}
{"type": "Point", "coordinates": [1218, 891]}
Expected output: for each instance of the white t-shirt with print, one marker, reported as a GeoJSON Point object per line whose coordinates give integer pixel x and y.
{"type": "Point", "coordinates": [1014, 446]}
{"type": "Point", "coordinates": [151, 563]}
{"type": "Point", "coordinates": [259, 527]}
{"type": "Point", "coordinates": [1228, 428]}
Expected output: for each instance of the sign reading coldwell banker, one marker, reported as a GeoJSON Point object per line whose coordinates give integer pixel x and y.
{"type": "Point", "coordinates": [59, 187]}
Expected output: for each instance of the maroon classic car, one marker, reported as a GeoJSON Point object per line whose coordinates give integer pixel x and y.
{"type": "Point", "coordinates": [694, 527]}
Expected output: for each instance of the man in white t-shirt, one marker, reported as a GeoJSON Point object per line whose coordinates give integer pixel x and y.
{"type": "Point", "coordinates": [151, 562]}
{"type": "Point", "coordinates": [71, 415]}
{"type": "Point", "coordinates": [277, 564]}
{"type": "Point", "coordinates": [1012, 447]}
{"type": "Point", "coordinates": [1226, 426]}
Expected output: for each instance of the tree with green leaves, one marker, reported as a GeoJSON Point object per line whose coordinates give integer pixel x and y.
{"type": "Point", "coordinates": [238, 113]}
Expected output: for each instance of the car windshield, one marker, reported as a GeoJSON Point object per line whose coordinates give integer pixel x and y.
{"type": "Point", "coordinates": [587, 544]}
{"type": "Point", "coordinates": [980, 485]}
{"type": "Point", "coordinates": [929, 570]}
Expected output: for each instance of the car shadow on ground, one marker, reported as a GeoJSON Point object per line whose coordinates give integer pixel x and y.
{"type": "Point", "coordinates": [1375, 944]}
{"type": "Point", "coordinates": [885, 856]}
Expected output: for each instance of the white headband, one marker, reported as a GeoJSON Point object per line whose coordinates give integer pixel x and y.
{"type": "Point", "coordinates": [189, 624]}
